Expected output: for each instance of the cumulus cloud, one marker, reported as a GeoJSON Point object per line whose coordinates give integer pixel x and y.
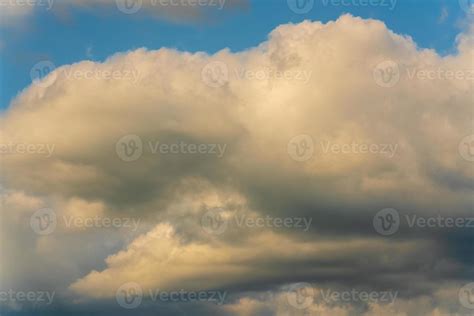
{"type": "Point", "coordinates": [318, 80]}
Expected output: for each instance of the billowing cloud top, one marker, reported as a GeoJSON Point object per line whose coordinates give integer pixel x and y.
{"type": "Point", "coordinates": [309, 125]}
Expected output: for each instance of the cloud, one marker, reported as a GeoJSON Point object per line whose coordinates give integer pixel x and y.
{"type": "Point", "coordinates": [321, 83]}
{"type": "Point", "coordinates": [182, 11]}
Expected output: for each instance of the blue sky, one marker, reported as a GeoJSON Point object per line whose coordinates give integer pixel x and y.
{"type": "Point", "coordinates": [82, 35]}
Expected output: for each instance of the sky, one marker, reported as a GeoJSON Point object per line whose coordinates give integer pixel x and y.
{"type": "Point", "coordinates": [271, 158]}
{"type": "Point", "coordinates": [79, 33]}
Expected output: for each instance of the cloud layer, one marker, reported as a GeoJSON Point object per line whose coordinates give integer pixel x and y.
{"type": "Point", "coordinates": [373, 143]}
